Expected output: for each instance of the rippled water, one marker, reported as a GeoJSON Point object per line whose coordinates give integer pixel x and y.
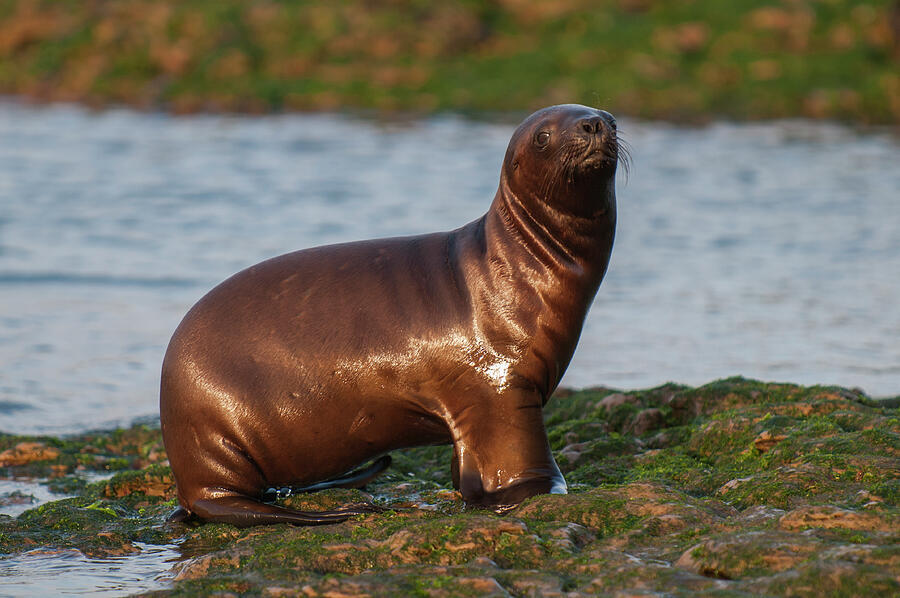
{"type": "Point", "coordinates": [17, 495]}
{"type": "Point", "coordinates": [768, 250]}
{"type": "Point", "coordinates": [42, 573]}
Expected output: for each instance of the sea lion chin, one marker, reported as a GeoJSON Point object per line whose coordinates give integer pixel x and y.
{"type": "Point", "coordinates": [296, 370]}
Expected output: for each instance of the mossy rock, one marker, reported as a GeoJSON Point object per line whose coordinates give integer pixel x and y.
{"type": "Point", "coordinates": [97, 528]}
{"type": "Point", "coordinates": [736, 488]}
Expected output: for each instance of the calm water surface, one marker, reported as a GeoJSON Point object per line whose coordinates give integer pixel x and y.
{"type": "Point", "coordinates": [768, 250]}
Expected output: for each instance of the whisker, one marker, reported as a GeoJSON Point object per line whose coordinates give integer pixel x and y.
{"type": "Point", "coordinates": [624, 157]}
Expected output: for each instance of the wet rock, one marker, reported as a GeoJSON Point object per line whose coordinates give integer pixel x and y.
{"type": "Point", "coordinates": [887, 556]}
{"type": "Point", "coordinates": [649, 509]}
{"type": "Point", "coordinates": [201, 566]}
{"type": "Point", "coordinates": [867, 499]}
{"type": "Point", "coordinates": [758, 516]}
{"type": "Point", "coordinates": [572, 452]}
{"type": "Point", "coordinates": [483, 562]}
{"type": "Point", "coordinates": [783, 487]}
{"type": "Point", "coordinates": [570, 538]}
{"type": "Point", "coordinates": [645, 421]}
{"type": "Point", "coordinates": [329, 499]}
{"type": "Point", "coordinates": [534, 586]}
{"type": "Point", "coordinates": [748, 554]}
{"type": "Point", "coordinates": [610, 402]}
{"type": "Point", "coordinates": [766, 440]}
{"type": "Point", "coordinates": [732, 485]}
{"type": "Point", "coordinates": [817, 578]}
{"type": "Point", "coordinates": [830, 517]}
{"type": "Point", "coordinates": [16, 498]}
{"type": "Point", "coordinates": [596, 451]}
{"type": "Point", "coordinates": [338, 588]}
{"type": "Point", "coordinates": [94, 528]}
{"type": "Point", "coordinates": [635, 577]}
{"type": "Point", "coordinates": [423, 581]}
{"type": "Point", "coordinates": [27, 452]}
{"type": "Point", "coordinates": [156, 481]}
{"type": "Point", "coordinates": [483, 586]}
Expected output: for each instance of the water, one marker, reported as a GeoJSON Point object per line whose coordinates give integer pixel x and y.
{"type": "Point", "coordinates": [767, 250]}
{"type": "Point", "coordinates": [67, 572]}
{"type": "Point", "coordinates": [17, 495]}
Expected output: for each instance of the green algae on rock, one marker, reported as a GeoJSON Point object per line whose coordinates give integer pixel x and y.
{"type": "Point", "coordinates": [735, 488]}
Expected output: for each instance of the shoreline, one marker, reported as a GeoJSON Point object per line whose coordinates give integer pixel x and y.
{"type": "Point", "coordinates": [738, 485]}
{"type": "Point", "coordinates": [510, 116]}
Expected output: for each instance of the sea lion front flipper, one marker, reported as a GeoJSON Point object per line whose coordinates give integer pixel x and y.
{"type": "Point", "coordinates": [504, 457]}
{"type": "Point", "coordinates": [243, 511]}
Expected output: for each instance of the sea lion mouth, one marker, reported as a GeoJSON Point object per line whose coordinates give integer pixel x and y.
{"type": "Point", "coordinates": [601, 153]}
{"type": "Point", "coordinates": [596, 143]}
{"type": "Point", "coordinates": [598, 153]}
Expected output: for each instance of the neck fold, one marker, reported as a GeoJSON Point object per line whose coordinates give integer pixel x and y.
{"type": "Point", "coordinates": [553, 238]}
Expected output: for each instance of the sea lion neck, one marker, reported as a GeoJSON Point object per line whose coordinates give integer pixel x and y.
{"type": "Point", "coordinates": [556, 237]}
{"type": "Point", "coordinates": [555, 261]}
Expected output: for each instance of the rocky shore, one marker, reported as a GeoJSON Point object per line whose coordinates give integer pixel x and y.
{"type": "Point", "coordinates": [736, 488]}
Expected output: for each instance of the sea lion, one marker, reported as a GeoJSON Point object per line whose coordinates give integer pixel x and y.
{"type": "Point", "coordinates": [299, 368]}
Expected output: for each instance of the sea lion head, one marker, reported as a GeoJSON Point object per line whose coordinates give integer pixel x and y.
{"type": "Point", "coordinates": [564, 156]}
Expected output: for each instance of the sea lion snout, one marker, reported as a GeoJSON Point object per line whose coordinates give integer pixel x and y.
{"type": "Point", "coordinates": [599, 130]}
{"type": "Point", "coordinates": [603, 123]}
{"type": "Point", "coordinates": [597, 136]}
{"type": "Point", "coordinates": [593, 125]}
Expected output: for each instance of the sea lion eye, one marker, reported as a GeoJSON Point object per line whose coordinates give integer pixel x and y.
{"type": "Point", "coordinates": [542, 138]}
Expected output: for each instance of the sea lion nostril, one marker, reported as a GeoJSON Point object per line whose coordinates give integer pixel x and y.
{"type": "Point", "coordinates": [595, 125]}
{"type": "Point", "coordinates": [605, 121]}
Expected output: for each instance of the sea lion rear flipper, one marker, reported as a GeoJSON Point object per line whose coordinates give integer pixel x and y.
{"type": "Point", "coordinates": [243, 511]}
{"type": "Point", "coordinates": [354, 479]}
{"type": "Point", "coordinates": [179, 515]}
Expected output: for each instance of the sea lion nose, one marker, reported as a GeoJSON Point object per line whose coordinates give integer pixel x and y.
{"type": "Point", "coordinates": [597, 124]}
{"type": "Point", "coordinates": [591, 125]}
{"type": "Point", "coordinates": [608, 118]}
